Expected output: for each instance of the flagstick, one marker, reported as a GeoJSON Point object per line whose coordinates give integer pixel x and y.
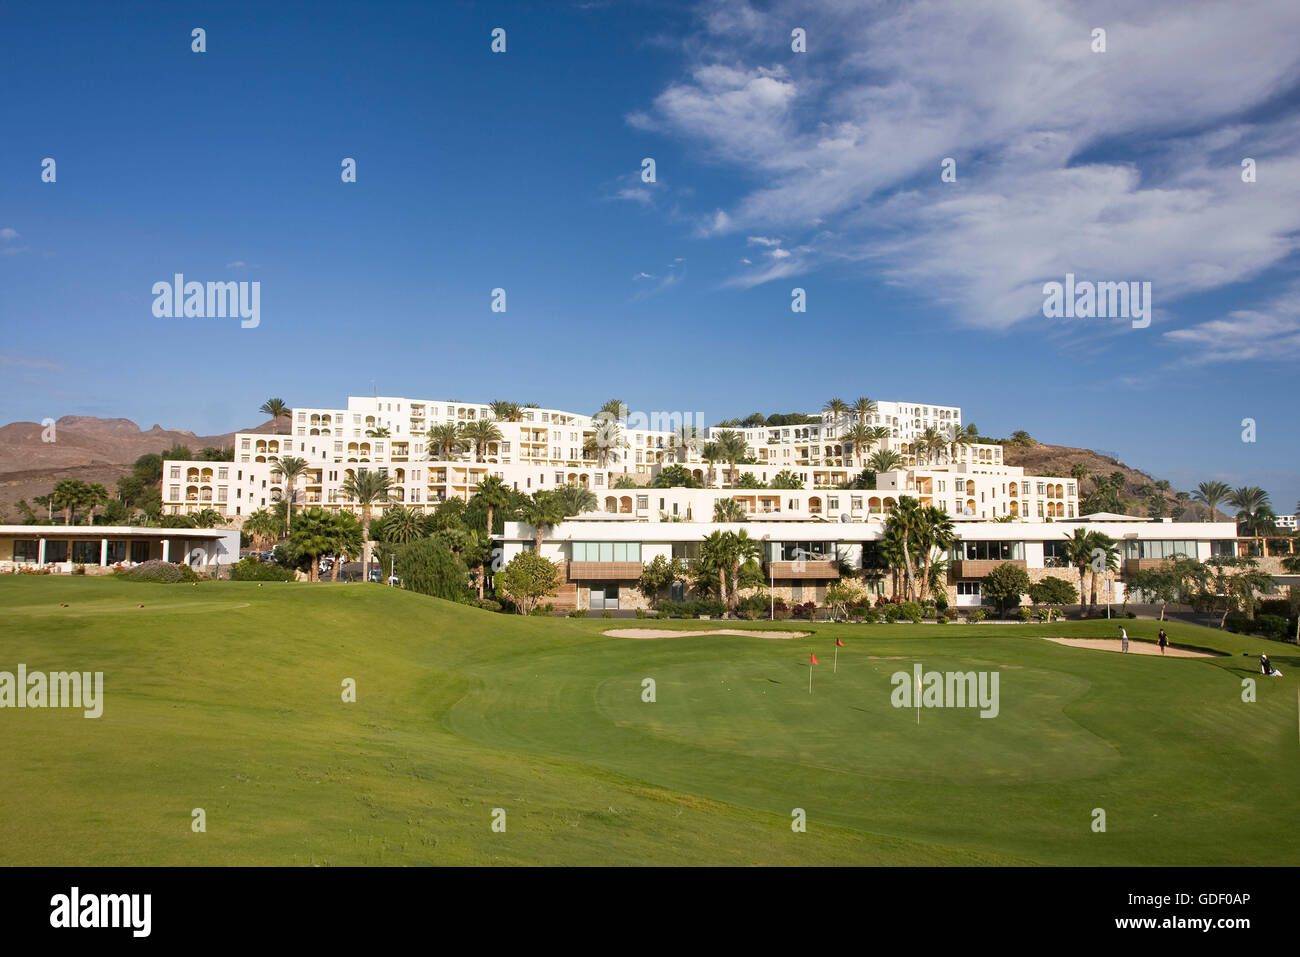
{"type": "Point", "coordinates": [810, 667]}
{"type": "Point", "coordinates": [836, 665]}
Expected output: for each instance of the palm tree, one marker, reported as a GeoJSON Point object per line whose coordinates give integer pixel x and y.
{"type": "Point", "coordinates": [314, 536]}
{"type": "Point", "coordinates": [543, 511]}
{"type": "Point", "coordinates": [1078, 552]}
{"type": "Point", "coordinates": [290, 467]}
{"type": "Point", "coordinates": [837, 408]}
{"type": "Point", "coordinates": [68, 494]}
{"type": "Point", "coordinates": [683, 439]}
{"type": "Point", "coordinates": [575, 500]}
{"type": "Point", "coordinates": [277, 410]}
{"type": "Point", "coordinates": [208, 518]}
{"type": "Point", "coordinates": [1107, 561]}
{"type": "Point", "coordinates": [907, 518]}
{"type": "Point", "coordinates": [884, 460]}
{"type": "Point", "coordinates": [711, 453]}
{"type": "Point", "coordinates": [494, 494]}
{"type": "Point", "coordinates": [863, 409]}
{"type": "Point", "coordinates": [934, 532]}
{"type": "Point", "coordinates": [95, 496]}
{"type": "Point", "coordinates": [1210, 494]}
{"type": "Point", "coordinates": [400, 526]}
{"type": "Point", "coordinates": [861, 438]}
{"type": "Point", "coordinates": [732, 447]}
{"type": "Point", "coordinates": [345, 540]}
{"type": "Point", "coordinates": [262, 529]}
{"type": "Point", "coordinates": [445, 441]}
{"type": "Point", "coordinates": [379, 432]}
{"type": "Point", "coordinates": [366, 488]}
{"type": "Point", "coordinates": [479, 434]}
{"type": "Point", "coordinates": [931, 440]}
{"type": "Point", "coordinates": [1079, 472]}
{"type": "Point", "coordinates": [729, 510]}
{"type": "Point", "coordinates": [506, 411]}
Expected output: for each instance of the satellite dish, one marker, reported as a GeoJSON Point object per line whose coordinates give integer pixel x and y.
{"type": "Point", "coordinates": [844, 516]}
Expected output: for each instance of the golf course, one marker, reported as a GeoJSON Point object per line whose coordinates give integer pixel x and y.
{"type": "Point", "coordinates": [229, 697]}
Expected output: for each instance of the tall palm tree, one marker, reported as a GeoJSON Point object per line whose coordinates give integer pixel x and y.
{"type": "Point", "coordinates": [480, 434]}
{"type": "Point", "coordinates": [208, 518]}
{"type": "Point", "coordinates": [95, 496]}
{"type": "Point", "coordinates": [837, 408]}
{"type": "Point", "coordinates": [934, 533]}
{"type": "Point", "coordinates": [543, 511]}
{"type": "Point", "coordinates": [290, 467]}
{"type": "Point", "coordinates": [367, 488]}
{"type": "Point", "coordinates": [711, 454]}
{"type": "Point", "coordinates": [345, 540]}
{"type": "Point", "coordinates": [379, 432]}
{"type": "Point", "coordinates": [314, 536]}
{"type": "Point", "coordinates": [445, 441]}
{"type": "Point", "coordinates": [729, 510]}
{"type": "Point", "coordinates": [1105, 558]}
{"type": "Point", "coordinates": [732, 446]}
{"type": "Point", "coordinates": [907, 518]}
{"type": "Point", "coordinates": [277, 410]}
{"type": "Point", "coordinates": [400, 526]}
{"type": "Point", "coordinates": [683, 439]}
{"type": "Point", "coordinates": [1078, 552]}
{"type": "Point", "coordinates": [1254, 512]}
{"type": "Point", "coordinates": [863, 409]}
{"type": "Point", "coordinates": [1210, 494]}
{"type": "Point", "coordinates": [861, 438]}
{"type": "Point", "coordinates": [931, 440]}
{"type": "Point", "coordinates": [262, 528]}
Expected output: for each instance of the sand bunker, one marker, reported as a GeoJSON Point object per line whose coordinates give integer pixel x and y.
{"type": "Point", "coordinates": [663, 633]}
{"type": "Point", "coordinates": [1134, 647]}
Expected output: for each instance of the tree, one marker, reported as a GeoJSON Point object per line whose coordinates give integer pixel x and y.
{"type": "Point", "coordinates": [836, 409]}
{"type": "Point", "coordinates": [378, 432]}
{"type": "Point", "coordinates": [262, 528]}
{"type": "Point", "coordinates": [860, 437]}
{"type": "Point", "coordinates": [1004, 585]}
{"type": "Point", "coordinates": [1233, 583]}
{"type": "Point", "coordinates": [1078, 552]}
{"type": "Point", "coordinates": [543, 511]}
{"type": "Point", "coordinates": [1052, 592]}
{"type": "Point", "coordinates": [723, 554]}
{"type": "Point", "coordinates": [445, 442]}
{"type": "Point", "coordinates": [1210, 494]}
{"type": "Point", "coordinates": [1105, 558]}
{"type": "Point", "coordinates": [674, 476]}
{"type": "Point", "coordinates": [95, 496]}
{"type": "Point", "coordinates": [839, 596]}
{"type": "Point", "coordinates": [731, 447]}
{"type": "Point", "coordinates": [399, 526]}
{"type": "Point", "coordinates": [527, 579]}
{"type": "Point", "coordinates": [345, 540]}
{"type": "Point", "coordinates": [290, 467]}
{"type": "Point", "coordinates": [729, 510]}
{"type": "Point", "coordinates": [786, 479]}
{"type": "Point", "coordinates": [660, 574]}
{"type": "Point", "coordinates": [492, 494]}
{"type": "Point", "coordinates": [1254, 513]}
{"type": "Point", "coordinates": [749, 480]}
{"type": "Point", "coordinates": [428, 566]}
{"type": "Point", "coordinates": [906, 519]}
{"type": "Point", "coordinates": [208, 518]}
{"type": "Point", "coordinates": [1022, 438]}
{"type": "Point", "coordinates": [934, 533]}
{"type": "Point", "coordinates": [313, 537]}
{"type": "Point", "coordinates": [1079, 472]}
{"type": "Point", "coordinates": [367, 489]}
{"type": "Point", "coordinates": [884, 460]}
{"type": "Point", "coordinates": [575, 500]}
{"type": "Point", "coordinates": [69, 495]}
{"type": "Point", "coordinates": [864, 409]}
{"type": "Point", "coordinates": [277, 410]}
{"type": "Point", "coordinates": [506, 411]}
{"type": "Point", "coordinates": [480, 434]}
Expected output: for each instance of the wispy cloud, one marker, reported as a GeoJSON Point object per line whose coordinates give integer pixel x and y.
{"type": "Point", "coordinates": [1271, 332]}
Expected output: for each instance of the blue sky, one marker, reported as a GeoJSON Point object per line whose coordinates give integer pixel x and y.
{"type": "Point", "coordinates": [775, 169]}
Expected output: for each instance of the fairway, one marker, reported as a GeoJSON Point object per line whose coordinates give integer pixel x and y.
{"type": "Point", "coordinates": [227, 697]}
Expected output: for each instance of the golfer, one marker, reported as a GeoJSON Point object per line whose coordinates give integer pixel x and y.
{"type": "Point", "coordinates": [1123, 639]}
{"type": "Point", "coordinates": [1164, 641]}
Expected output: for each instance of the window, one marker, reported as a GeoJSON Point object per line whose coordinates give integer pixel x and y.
{"type": "Point", "coordinates": [221, 493]}
{"type": "Point", "coordinates": [642, 501]}
{"type": "Point", "coordinates": [175, 472]}
{"type": "Point", "coordinates": [116, 552]}
{"type": "Point", "coordinates": [1042, 488]}
{"type": "Point", "coordinates": [1024, 488]}
{"type": "Point", "coordinates": [26, 550]}
{"type": "Point", "coordinates": [56, 551]}
{"type": "Point", "coordinates": [243, 444]}
{"type": "Point", "coordinates": [139, 551]}
{"type": "Point", "coordinates": [223, 474]}
{"type": "Point", "coordinates": [968, 588]}
{"type": "Point", "coordinates": [175, 491]}
{"type": "Point", "coordinates": [988, 551]}
{"type": "Point", "coordinates": [606, 552]}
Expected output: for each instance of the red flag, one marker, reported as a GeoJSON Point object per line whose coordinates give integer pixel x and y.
{"type": "Point", "coordinates": [813, 657]}
{"type": "Point", "coordinates": [839, 643]}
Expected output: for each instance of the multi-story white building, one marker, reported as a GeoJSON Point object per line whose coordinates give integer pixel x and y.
{"type": "Point", "coordinates": [539, 449]}
{"type": "Point", "coordinates": [1284, 521]}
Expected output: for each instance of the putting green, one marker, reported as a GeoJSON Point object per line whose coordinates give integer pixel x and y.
{"type": "Point", "coordinates": [226, 697]}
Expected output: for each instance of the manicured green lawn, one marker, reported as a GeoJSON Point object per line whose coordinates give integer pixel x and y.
{"type": "Point", "coordinates": [226, 697]}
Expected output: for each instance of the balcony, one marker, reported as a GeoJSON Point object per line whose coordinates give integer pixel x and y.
{"type": "Point", "coordinates": [804, 571]}
{"type": "Point", "coordinates": [604, 571]}
{"type": "Point", "coordinates": [979, 567]}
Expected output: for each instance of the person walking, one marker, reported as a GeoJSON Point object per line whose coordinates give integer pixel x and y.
{"type": "Point", "coordinates": [1164, 641]}
{"type": "Point", "coordinates": [1123, 639]}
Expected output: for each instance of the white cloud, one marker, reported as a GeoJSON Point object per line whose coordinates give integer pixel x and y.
{"type": "Point", "coordinates": [237, 264]}
{"type": "Point", "coordinates": [1121, 165]}
{"type": "Point", "coordinates": [7, 233]}
{"type": "Point", "coordinates": [1271, 332]}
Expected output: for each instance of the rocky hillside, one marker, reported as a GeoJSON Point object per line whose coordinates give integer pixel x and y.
{"type": "Point", "coordinates": [1042, 459]}
{"type": "Point", "coordinates": [86, 448]}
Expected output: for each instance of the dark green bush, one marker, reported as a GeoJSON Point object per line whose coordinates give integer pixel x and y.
{"type": "Point", "coordinates": [159, 572]}
{"type": "Point", "coordinates": [910, 611]}
{"type": "Point", "coordinates": [250, 569]}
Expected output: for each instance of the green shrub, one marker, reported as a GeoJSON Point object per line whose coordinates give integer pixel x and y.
{"type": "Point", "coordinates": [488, 604]}
{"type": "Point", "coordinates": [1271, 626]}
{"type": "Point", "coordinates": [1237, 622]}
{"type": "Point", "coordinates": [540, 610]}
{"type": "Point", "coordinates": [251, 570]}
{"type": "Point", "coordinates": [668, 608]}
{"type": "Point", "coordinates": [578, 613]}
{"type": "Point", "coordinates": [977, 614]}
{"type": "Point", "coordinates": [1023, 613]}
{"type": "Point", "coordinates": [661, 615]}
{"type": "Point", "coordinates": [159, 572]}
{"type": "Point", "coordinates": [754, 606]}
{"type": "Point", "coordinates": [606, 614]}
{"type": "Point", "coordinates": [892, 612]}
{"type": "Point", "coordinates": [943, 619]}
{"type": "Point", "coordinates": [910, 611]}
{"type": "Point", "coordinates": [706, 606]}
{"type": "Point", "coordinates": [641, 613]}
{"type": "Point", "coordinates": [870, 617]}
